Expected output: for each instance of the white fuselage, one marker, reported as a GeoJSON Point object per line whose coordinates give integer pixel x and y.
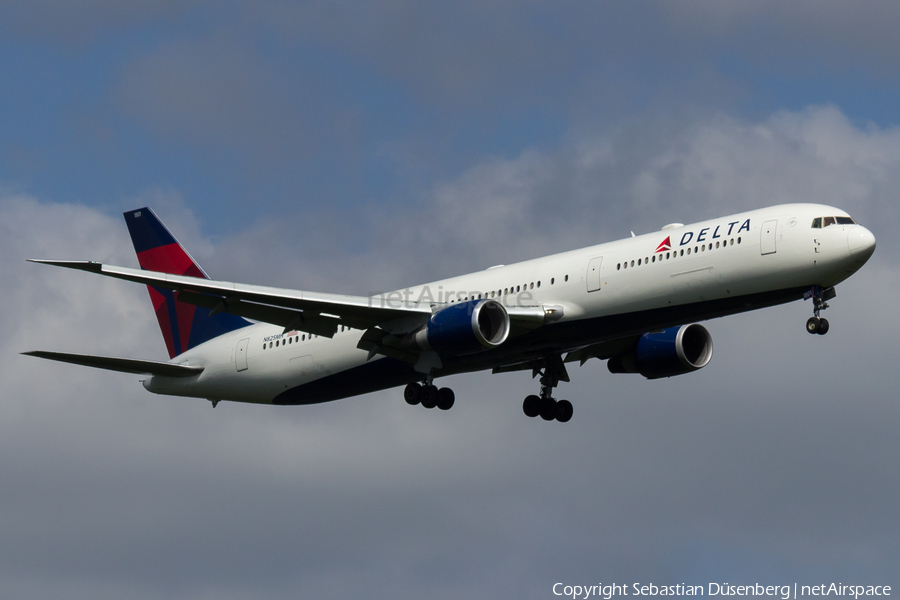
{"type": "Point", "coordinates": [716, 267]}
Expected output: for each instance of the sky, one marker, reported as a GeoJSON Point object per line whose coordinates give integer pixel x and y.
{"type": "Point", "coordinates": [357, 147]}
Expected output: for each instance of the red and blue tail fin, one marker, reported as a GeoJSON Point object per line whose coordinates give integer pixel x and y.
{"type": "Point", "coordinates": [183, 325]}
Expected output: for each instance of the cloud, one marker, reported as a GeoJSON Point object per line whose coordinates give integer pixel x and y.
{"type": "Point", "coordinates": [774, 461]}
{"type": "Point", "coordinates": [85, 20]}
{"type": "Point", "coordinates": [587, 191]}
{"type": "Point", "coordinates": [215, 91]}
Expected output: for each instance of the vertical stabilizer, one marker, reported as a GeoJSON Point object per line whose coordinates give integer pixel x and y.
{"type": "Point", "coordinates": [183, 325]}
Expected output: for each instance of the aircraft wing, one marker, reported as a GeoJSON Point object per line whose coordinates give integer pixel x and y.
{"type": "Point", "coordinates": [316, 313]}
{"type": "Point", "coordinates": [124, 365]}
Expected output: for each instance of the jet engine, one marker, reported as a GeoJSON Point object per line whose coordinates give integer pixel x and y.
{"type": "Point", "coordinates": [464, 328]}
{"type": "Point", "coordinates": [665, 353]}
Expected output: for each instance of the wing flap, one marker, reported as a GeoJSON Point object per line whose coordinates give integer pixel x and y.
{"type": "Point", "coordinates": [123, 365]}
{"type": "Point", "coordinates": [290, 319]}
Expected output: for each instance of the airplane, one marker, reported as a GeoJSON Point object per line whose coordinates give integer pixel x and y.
{"type": "Point", "coordinates": [633, 302]}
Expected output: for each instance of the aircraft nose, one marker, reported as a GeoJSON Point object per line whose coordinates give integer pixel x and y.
{"type": "Point", "coordinates": [861, 243]}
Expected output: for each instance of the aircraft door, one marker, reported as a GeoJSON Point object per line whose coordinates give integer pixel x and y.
{"type": "Point", "coordinates": [767, 237]}
{"type": "Point", "coordinates": [593, 274]}
{"type": "Point", "coordinates": [240, 354]}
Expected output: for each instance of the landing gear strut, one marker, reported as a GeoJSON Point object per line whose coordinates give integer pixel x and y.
{"type": "Point", "coordinates": [545, 405]}
{"type": "Point", "coordinates": [817, 324]}
{"type": "Point", "coordinates": [429, 396]}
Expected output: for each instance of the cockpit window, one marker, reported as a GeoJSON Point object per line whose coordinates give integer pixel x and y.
{"type": "Point", "coordinates": [820, 222]}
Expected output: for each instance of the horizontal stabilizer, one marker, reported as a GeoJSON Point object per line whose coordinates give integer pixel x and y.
{"type": "Point", "coordinates": [124, 365]}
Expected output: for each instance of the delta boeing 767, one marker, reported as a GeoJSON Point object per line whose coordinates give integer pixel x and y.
{"type": "Point", "coordinates": [633, 303]}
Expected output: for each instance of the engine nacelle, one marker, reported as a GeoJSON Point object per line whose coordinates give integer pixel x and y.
{"type": "Point", "coordinates": [665, 353]}
{"type": "Point", "coordinates": [465, 328]}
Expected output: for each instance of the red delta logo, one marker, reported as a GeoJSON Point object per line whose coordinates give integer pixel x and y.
{"type": "Point", "coordinates": [665, 245]}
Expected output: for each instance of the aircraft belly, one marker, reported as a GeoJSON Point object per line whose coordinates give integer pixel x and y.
{"type": "Point", "coordinates": [356, 377]}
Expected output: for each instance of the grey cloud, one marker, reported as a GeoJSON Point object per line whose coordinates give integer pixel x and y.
{"type": "Point", "coordinates": [85, 20]}
{"type": "Point", "coordinates": [299, 97]}
{"type": "Point", "coordinates": [216, 92]}
{"type": "Point", "coordinates": [806, 30]}
{"type": "Point", "coordinates": [587, 191]}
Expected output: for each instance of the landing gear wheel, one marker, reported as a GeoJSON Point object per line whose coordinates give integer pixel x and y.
{"type": "Point", "coordinates": [813, 324]}
{"type": "Point", "coordinates": [564, 411]}
{"type": "Point", "coordinates": [446, 398]}
{"type": "Point", "coordinates": [823, 326]}
{"type": "Point", "coordinates": [430, 396]}
{"type": "Point", "coordinates": [552, 370]}
{"type": "Point", "coordinates": [413, 394]}
{"type": "Point", "coordinates": [532, 406]}
{"type": "Point", "coordinates": [548, 409]}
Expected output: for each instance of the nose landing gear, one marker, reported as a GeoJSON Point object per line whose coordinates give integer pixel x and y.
{"type": "Point", "coordinates": [817, 324]}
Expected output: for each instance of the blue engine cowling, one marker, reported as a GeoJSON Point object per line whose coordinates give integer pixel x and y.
{"type": "Point", "coordinates": [465, 328]}
{"type": "Point", "coordinates": [665, 353]}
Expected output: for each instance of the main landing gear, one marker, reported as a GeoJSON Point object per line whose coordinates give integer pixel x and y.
{"type": "Point", "coordinates": [545, 405]}
{"type": "Point", "coordinates": [429, 396]}
{"type": "Point", "coordinates": [817, 324]}
{"type": "Point", "coordinates": [551, 369]}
